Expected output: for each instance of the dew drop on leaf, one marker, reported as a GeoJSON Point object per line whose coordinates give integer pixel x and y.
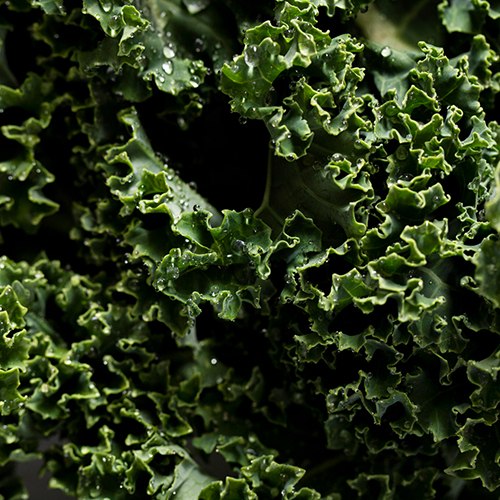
{"type": "Point", "coordinates": [386, 52]}
{"type": "Point", "coordinates": [114, 24]}
{"type": "Point", "coordinates": [195, 6]}
{"type": "Point", "coordinates": [106, 5]}
{"type": "Point", "coordinates": [252, 55]}
{"type": "Point", "coordinates": [168, 51]}
{"type": "Point", "coordinates": [168, 67]}
{"type": "Point", "coordinates": [401, 153]}
{"type": "Point", "coordinates": [247, 213]}
{"type": "Point", "coordinates": [199, 45]}
{"type": "Point", "coordinates": [239, 246]}
{"type": "Point", "coordinates": [195, 81]}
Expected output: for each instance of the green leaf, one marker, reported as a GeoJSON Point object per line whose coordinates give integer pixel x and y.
{"type": "Point", "coordinates": [224, 266]}
{"type": "Point", "coordinates": [463, 15]}
{"type": "Point", "coordinates": [11, 399]}
{"type": "Point", "coordinates": [135, 174]}
{"type": "Point", "coordinates": [487, 270]}
{"type": "Point", "coordinates": [22, 177]}
{"type": "Point", "coordinates": [479, 453]}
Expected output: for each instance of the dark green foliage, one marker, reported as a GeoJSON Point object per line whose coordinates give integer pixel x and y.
{"type": "Point", "coordinates": [250, 249]}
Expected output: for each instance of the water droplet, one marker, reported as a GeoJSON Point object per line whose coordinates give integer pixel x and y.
{"type": "Point", "coordinates": [401, 153]}
{"type": "Point", "coordinates": [383, 206]}
{"type": "Point", "coordinates": [106, 5]}
{"type": "Point", "coordinates": [115, 25]}
{"type": "Point", "coordinates": [252, 55]}
{"type": "Point", "coordinates": [386, 52]}
{"type": "Point", "coordinates": [195, 6]}
{"type": "Point", "coordinates": [195, 81]}
{"type": "Point", "coordinates": [239, 246]}
{"type": "Point", "coordinates": [168, 67]}
{"type": "Point", "coordinates": [273, 49]}
{"type": "Point", "coordinates": [168, 51]}
{"type": "Point", "coordinates": [199, 45]}
{"type": "Point", "coordinates": [247, 213]}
